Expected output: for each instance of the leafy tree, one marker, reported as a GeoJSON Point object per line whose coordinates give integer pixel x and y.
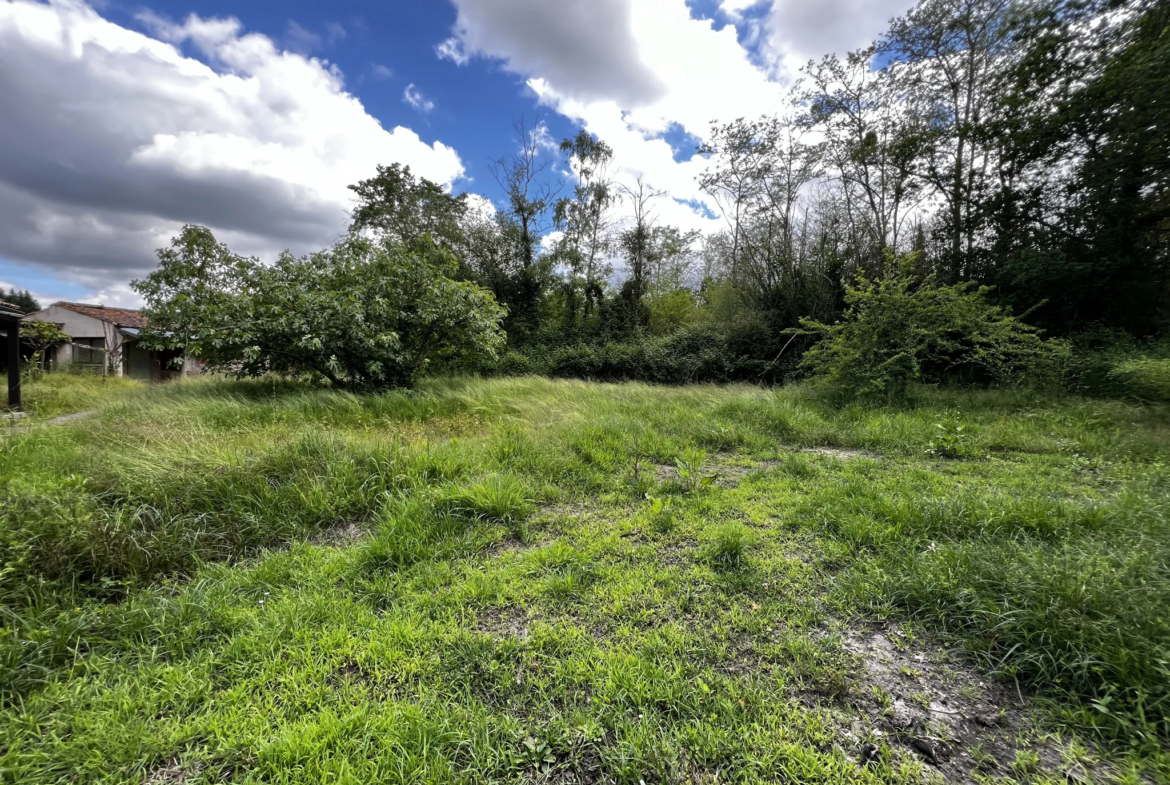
{"type": "Point", "coordinates": [1082, 213]}
{"type": "Point", "coordinates": [39, 337]}
{"type": "Point", "coordinates": [584, 219]}
{"type": "Point", "coordinates": [947, 56]}
{"type": "Point", "coordinates": [394, 204]}
{"type": "Point", "coordinates": [21, 299]}
{"type": "Point", "coordinates": [859, 110]}
{"type": "Point", "coordinates": [523, 222]}
{"type": "Point", "coordinates": [362, 314]}
{"type": "Point", "coordinates": [906, 328]}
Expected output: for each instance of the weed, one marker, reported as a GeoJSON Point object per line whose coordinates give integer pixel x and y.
{"type": "Point", "coordinates": [951, 438]}
{"type": "Point", "coordinates": [690, 470]}
{"type": "Point", "coordinates": [661, 515]}
{"type": "Point", "coordinates": [500, 498]}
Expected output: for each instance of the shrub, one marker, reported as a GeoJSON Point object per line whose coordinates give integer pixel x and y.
{"type": "Point", "coordinates": [360, 314]}
{"type": "Point", "coordinates": [904, 329]}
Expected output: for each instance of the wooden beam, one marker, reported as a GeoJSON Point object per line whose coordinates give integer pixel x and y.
{"type": "Point", "coordinates": [13, 328]}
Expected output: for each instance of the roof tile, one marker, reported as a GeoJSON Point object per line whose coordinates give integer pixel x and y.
{"type": "Point", "coordinates": [122, 317]}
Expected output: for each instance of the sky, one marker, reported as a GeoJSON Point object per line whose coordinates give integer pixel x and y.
{"type": "Point", "coordinates": [124, 121]}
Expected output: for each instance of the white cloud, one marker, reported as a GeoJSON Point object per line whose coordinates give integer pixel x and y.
{"type": "Point", "coordinates": [113, 139]}
{"type": "Point", "coordinates": [413, 96]}
{"type": "Point", "coordinates": [298, 39]}
{"type": "Point", "coordinates": [797, 31]}
{"type": "Point", "coordinates": [382, 71]}
{"type": "Point", "coordinates": [693, 73]}
{"type": "Point", "coordinates": [585, 47]}
{"type": "Point", "coordinates": [334, 32]}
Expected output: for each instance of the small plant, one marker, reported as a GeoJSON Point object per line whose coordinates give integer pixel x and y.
{"type": "Point", "coordinates": [690, 470]}
{"type": "Point", "coordinates": [1026, 763]}
{"type": "Point", "coordinates": [728, 548]}
{"type": "Point", "coordinates": [537, 753]}
{"type": "Point", "coordinates": [951, 438]}
{"type": "Point", "coordinates": [661, 515]}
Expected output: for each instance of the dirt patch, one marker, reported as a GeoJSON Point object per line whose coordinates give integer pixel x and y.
{"type": "Point", "coordinates": [339, 534]}
{"type": "Point", "coordinates": [923, 701]}
{"type": "Point", "coordinates": [730, 475]}
{"type": "Point", "coordinates": [841, 454]}
{"type": "Point", "coordinates": [665, 473]}
{"type": "Point", "coordinates": [503, 622]}
{"type": "Point", "coordinates": [172, 774]}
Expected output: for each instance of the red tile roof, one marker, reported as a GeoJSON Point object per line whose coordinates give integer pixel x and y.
{"type": "Point", "coordinates": [9, 306]}
{"type": "Point", "coordinates": [122, 317]}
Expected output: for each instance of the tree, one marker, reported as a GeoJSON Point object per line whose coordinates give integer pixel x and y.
{"type": "Point", "coordinates": [39, 337]}
{"type": "Point", "coordinates": [947, 55]}
{"type": "Point", "coordinates": [584, 219]}
{"type": "Point", "coordinates": [21, 299]}
{"type": "Point", "coordinates": [395, 204]}
{"type": "Point", "coordinates": [858, 110]}
{"type": "Point", "coordinates": [522, 223]}
{"type": "Point", "coordinates": [363, 314]}
{"type": "Point", "coordinates": [1082, 214]}
{"type": "Point", "coordinates": [763, 175]}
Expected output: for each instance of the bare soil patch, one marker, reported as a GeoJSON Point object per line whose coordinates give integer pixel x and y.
{"type": "Point", "coordinates": [923, 701]}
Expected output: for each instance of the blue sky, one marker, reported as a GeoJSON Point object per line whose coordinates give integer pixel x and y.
{"type": "Point", "coordinates": [125, 120]}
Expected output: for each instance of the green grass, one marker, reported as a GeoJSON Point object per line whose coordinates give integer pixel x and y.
{"type": "Point", "coordinates": [54, 394]}
{"type": "Point", "coordinates": [522, 580]}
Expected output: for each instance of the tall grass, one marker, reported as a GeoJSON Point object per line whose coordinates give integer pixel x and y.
{"type": "Point", "coordinates": [1043, 545]}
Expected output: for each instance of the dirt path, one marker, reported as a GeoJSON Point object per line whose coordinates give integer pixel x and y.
{"type": "Point", "coordinates": [64, 418]}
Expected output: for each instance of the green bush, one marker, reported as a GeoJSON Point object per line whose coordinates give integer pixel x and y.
{"type": "Point", "coordinates": [905, 329]}
{"type": "Point", "coordinates": [693, 354]}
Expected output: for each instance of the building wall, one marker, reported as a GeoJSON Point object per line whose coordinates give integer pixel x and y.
{"type": "Point", "coordinates": [78, 325]}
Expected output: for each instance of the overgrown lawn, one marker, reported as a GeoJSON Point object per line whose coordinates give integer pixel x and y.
{"type": "Point", "coordinates": [528, 580]}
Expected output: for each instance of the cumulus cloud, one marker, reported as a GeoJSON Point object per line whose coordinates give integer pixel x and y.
{"type": "Point", "coordinates": [413, 96]}
{"type": "Point", "coordinates": [585, 47]}
{"type": "Point", "coordinates": [700, 72]}
{"type": "Point", "coordinates": [796, 31]}
{"type": "Point", "coordinates": [113, 139]}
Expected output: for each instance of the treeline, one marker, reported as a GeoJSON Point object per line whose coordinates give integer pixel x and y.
{"type": "Point", "coordinates": [986, 169]}
{"type": "Point", "coordinates": [1017, 145]}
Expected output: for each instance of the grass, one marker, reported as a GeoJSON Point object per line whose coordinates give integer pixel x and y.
{"type": "Point", "coordinates": [528, 580]}
{"type": "Point", "coordinates": [52, 395]}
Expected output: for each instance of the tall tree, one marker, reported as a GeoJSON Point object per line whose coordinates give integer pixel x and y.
{"type": "Point", "coordinates": [21, 299]}
{"type": "Point", "coordinates": [858, 110]}
{"type": "Point", "coordinates": [948, 54]}
{"type": "Point", "coordinates": [1082, 215]}
{"type": "Point", "coordinates": [584, 219]}
{"type": "Point", "coordinates": [523, 221]}
{"type": "Point", "coordinates": [640, 247]}
{"type": "Point", "coordinates": [397, 205]}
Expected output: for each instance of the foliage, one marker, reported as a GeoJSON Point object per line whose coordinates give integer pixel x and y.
{"type": "Point", "coordinates": [951, 438]}
{"type": "Point", "coordinates": [1147, 379]}
{"type": "Point", "coordinates": [690, 467]}
{"type": "Point", "coordinates": [40, 336]}
{"type": "Point", "coordinates": [21, 299]}
{"type": "Point", "coordinates": [394, 204]}
{"type": "Point", "coordinates": [905, 328]}
{"type": "Point", "coordinates": [362, 314]}
{"type": "Point", "coordinates": [728, 547]}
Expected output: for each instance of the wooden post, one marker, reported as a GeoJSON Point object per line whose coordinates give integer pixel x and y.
{"type": "Point", "coordinates": [13, 328]}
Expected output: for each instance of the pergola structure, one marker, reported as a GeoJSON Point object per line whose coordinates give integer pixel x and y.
{"type": "Point", "coordinates": [10, 317]}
